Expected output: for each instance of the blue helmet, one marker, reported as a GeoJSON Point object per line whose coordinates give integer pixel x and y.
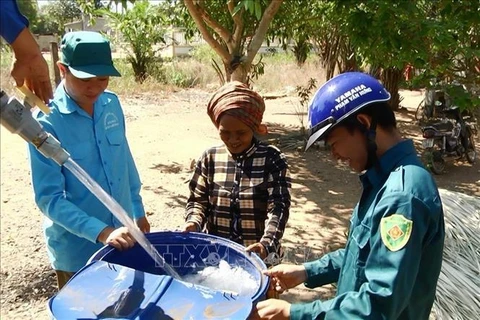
{"type": "Point", "coordinates": [339, 98]}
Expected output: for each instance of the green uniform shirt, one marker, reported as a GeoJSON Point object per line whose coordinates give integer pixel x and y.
{"type": "Point", "coordinates": [391, 263]}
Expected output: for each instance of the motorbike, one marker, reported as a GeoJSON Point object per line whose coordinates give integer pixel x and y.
{"type": "Point", "coordinates": [431, 105]}
{"type": "Point", "coordinates": [451, 138]}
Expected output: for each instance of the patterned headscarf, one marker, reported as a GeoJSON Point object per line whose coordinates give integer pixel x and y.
{"type": "Point", "coordinates": [240, 102]}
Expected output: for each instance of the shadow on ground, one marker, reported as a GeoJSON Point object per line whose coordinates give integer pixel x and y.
{"type": "Point", "coordinates": [34, 285]}
{"type": "Point", "coordinates": [324, 194]}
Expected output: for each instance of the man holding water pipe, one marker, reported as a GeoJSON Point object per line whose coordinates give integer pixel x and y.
{"type": "Point", "coordinates": [89, 123]}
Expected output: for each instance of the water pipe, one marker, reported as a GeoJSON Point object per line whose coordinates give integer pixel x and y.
{"type": "Point", "coordinates": [17, 118]}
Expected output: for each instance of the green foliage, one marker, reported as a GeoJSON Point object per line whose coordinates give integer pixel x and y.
{"type": "Point", "coordinates": [463, 98]}
{"type": "Point", "coordinates": [56, 14]}
{"type": "Point", "coordinates": [274, 57]}
{"type": "Point", "coordinates": [179, 77]}
{"type": "Point", "coordinates": [218, 10]}
{"type": "Point", "coordinates": [124, 67]}
{"type": "Point", "coordinates": [440, 38]}
{"type": "Point", "coordinates": [231, 27]}
{"type": "Point", "coordinates": [385, 33]}
{"type": "Point", "coordinates": [254, 7]}
{"type": "Point", "coordinates": [454, 42]}
{"type": "Point", "coordinates": [203, 53]}
{"type": "Point", "coordinates": [144, 29]}
{"type": "Point", "coordinates": [301, 49]}
{"type": "Point", "coordinates": [304, 93]}
{"type": "Point", "coordinates": [257, 70]}
{"type": "Point", "coordinates": [29, 9]}
{"type": "Point", "coordinates": [46, 26]}
{"type": "Point", "coordinates": [311, 24]}
{"type": "Point", "coordinates": [179, 17]}
{"type": "Point", "coordinates": [93, 8]}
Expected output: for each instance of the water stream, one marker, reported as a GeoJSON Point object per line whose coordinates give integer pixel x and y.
{"type": "Point", "coordinates": [120, 214]}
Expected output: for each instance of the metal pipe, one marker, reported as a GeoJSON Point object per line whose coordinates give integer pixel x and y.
{"type": "Point", "coordinates": [17, 118]}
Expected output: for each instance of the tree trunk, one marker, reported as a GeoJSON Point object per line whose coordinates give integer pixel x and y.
{"type": "Point", "coordinates": [228, 75]}
{"type": "Point", "coordinates": [261, 30]}
{"type": "Point", "coordinates": [375, 71]}
{"type": "Point", "coordinates": [391, 78]}
{"type": "Point", "coordinates": [329, 45]}
{"type": "Point", "coordinates": [346, 55]}
{"type": "Point", "coordinates": [240, 73]}
{"type": "Point", "coordinates": [227, 44]}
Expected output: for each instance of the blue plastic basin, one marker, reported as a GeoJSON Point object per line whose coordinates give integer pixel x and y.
{"type": "Point", "coordinates": [188, 253]}
{"type": "Point", "coordinates": [128, 285]}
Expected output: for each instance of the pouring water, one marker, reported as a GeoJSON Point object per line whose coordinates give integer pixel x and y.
{"type": "Point", "coordinates": [120, 214]}
{"type": "Point", "coordinates": [17, 118]}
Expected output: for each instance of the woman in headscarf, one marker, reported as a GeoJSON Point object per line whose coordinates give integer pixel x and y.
{"type": "Point", "coordinates": [241, 189]}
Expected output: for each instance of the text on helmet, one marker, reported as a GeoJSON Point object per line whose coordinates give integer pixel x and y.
{"type": "Point", "coordinates": [350, 95]}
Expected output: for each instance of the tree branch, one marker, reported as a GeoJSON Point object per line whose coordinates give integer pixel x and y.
{"type": "Point", "coordinates": [262, 28]}
{"type": "Point", "coordinates": [221, 31]}
{"type": "Point", "coordinates": [196, 15]}
{"type": "Point", "coordinates": [238, 22]}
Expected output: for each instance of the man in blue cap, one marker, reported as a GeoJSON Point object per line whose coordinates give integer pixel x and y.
{"type": "Point", "coordinates": [89, 123]}
{"type": "Point", "coordinates": [391, 262]}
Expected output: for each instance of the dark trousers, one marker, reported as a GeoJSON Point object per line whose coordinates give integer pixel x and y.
{"type": "Point", "coordinates": [63, 277]}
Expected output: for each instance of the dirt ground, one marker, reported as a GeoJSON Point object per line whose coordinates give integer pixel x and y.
{"type": "Point", "coordinates": [166, 131]}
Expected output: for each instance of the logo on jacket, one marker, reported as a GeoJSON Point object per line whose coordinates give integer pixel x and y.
{"type": "Point", "coordinates": [395, 231]}
{"type": "Point", "coordinates": [110, 121]}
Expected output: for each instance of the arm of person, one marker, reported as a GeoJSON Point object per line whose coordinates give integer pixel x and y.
{"type": "Point", "coordinates": [389, 280]}
{"type": "Point", "coordinates": [50, 196]}
{"type": "Point", "coordinates": [325, 270]}
{"type": "Point", "coordinates": [12, 22]}
{"type": "Point", "coordinates": [279, 185]}
{"type": "Point", "coordinates": [196, 209]}
{"type": "Point", "coordinates": [286, 276]}
{"type": "Point", "coordinates": [29, 66]}
{"type": "Point", "coordinates": [119, 238]}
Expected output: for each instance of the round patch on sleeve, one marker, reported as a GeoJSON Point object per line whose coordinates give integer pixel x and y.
{"type": "Point", "coordinates": [395, 231]}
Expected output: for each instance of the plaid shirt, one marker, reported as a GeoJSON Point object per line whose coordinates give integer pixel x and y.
{"type": "Point", "coordinates": [244, 198]}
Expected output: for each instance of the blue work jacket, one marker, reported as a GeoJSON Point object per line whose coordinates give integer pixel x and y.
{"type": "Point", "coordinates": [74, 216]}
{"type": "Point", "coordinates": [391, 263]}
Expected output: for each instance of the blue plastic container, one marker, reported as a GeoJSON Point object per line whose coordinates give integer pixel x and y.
{"type": "Point", "coordinates": [128, 284]}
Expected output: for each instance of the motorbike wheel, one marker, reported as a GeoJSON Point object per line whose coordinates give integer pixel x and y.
{"type": "Point", "coordinates": [420, 115]}
{"type": "Point", "coordinates": [437, 163]}
{"type": "Point", "coordinates": [471, 153]}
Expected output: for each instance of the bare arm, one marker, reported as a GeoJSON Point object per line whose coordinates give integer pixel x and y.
{"type": "Point", "coordinates": [29, 66]}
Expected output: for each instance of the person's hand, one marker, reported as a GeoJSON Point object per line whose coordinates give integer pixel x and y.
{"type": "Point", "coordinates": [190, 227]}
{"type": "Point", "coordinates": [143, 224]}
{"type": "Point", "coordinates": [286, 276]}
{"type": "Point", "coordinates": [33, 71]}
{"type": "Point", "coordinates": [271, 309]}
{"type": "Point", "coordinates": [29, 67]}
{"type": "Point", "coordinates": [118, 238]}
{"type": "Point", "coordinates": [258, 248]}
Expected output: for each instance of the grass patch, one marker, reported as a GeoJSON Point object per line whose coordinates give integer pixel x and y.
{"type": "Point", "coordinates": [283, 74]}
